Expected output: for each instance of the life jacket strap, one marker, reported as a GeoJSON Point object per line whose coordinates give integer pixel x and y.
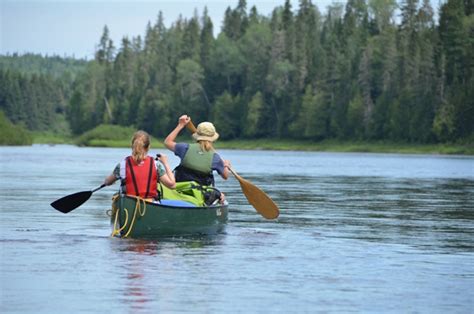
{"type": "Point", "coordinates": [133, 176]}
{"type": "Point", "coordinates": [149, 177]}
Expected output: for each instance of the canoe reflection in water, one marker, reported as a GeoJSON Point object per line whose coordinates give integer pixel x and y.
{"type": "Point", "coordinates": [152, 266]}
{"type": "Point", "coordinates": [136, 295]}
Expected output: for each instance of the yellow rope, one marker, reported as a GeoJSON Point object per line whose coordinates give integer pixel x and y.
{"type": "Point", "coordinates": [116, 210]}
{"type": "Point", "coordinates": [137, 209]}
{"type": "Point", "coordinates": [115, 230]}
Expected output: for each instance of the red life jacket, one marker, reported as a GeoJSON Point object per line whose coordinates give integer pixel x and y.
{"type": "Point", "coordinates": [140, 179]}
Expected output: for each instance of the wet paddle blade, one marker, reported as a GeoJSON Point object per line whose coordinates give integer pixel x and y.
{"type": "Point", "coordinates": [71, 202]}
{"type": "Point", "coordinates": [258, 199]}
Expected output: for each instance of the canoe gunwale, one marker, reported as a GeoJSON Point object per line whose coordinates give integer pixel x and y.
{"type": "Point", "coordinates": [226, 204]}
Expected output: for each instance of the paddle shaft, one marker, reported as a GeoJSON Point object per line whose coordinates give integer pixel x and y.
{"type": "Point", "coordinates": [191, 127]}
{"type": "Point", "coordinates": [100, 187]}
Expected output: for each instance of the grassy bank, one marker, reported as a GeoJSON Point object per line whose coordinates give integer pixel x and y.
{"type": "Point", "coordinates": [102, 136]}
{"type": "Point", "coordinates": [116, 136]}
{"type": "Point", "coordinates": [13, 135]}
{"type": "Point", "coordinates": [350, 146]}
{"type": "Point", "coordinates": [51, 138]}
{"type": "Point", "coordinates": [110, 136]}
{"type": "Point", "coordinates": [325, 146]}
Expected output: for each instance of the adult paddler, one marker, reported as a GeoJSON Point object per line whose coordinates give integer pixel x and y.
{"type": "Point", "coordinates": [198, 160]}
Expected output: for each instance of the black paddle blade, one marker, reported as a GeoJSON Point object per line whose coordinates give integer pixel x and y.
{"type": "Point", "coordinates": [71, 202]}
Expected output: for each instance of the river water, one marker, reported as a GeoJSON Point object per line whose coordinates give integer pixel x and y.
{"type": "Point", "coordinates": [357, 233]}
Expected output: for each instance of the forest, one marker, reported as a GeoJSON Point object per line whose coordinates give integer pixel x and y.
{"type": "Point", "coordinates": [364, 70]}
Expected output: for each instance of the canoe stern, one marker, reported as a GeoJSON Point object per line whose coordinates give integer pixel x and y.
{"type": "Point", "coordinates": [136, 218]}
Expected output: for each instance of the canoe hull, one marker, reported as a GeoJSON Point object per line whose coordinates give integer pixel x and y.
{"type": "Point", "coordinates": [139, 219]}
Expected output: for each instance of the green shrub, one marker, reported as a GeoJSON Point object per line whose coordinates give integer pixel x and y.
{"type": "Point", "coordinates": [49, 137]}
{"type": "Point", "coordinates": [107, 135]}
{"type": "Point", "coordinates": [11, 134]}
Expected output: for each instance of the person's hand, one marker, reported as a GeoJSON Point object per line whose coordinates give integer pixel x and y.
{"type": "Point", "coordinates": [162, 158]}
{"type": "Point", "coordinates": [227, 164]}
{"type": "Point", "coordinates": [183, 120]}
{"type": "Point", "coordinates": [222, 198]}
{"type": "Point", "coordinates": [110, 180]}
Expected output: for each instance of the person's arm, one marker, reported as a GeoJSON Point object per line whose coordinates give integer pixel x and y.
{"type": "Point", "coordinates": [167, 178]}
{"type": "Point", "coordinates": [109, 180]}
{"type": "Point", "coordinates": [170, 140]}
{"type": "Point", "coordinates": [225, 174]}
{"type": "Point", "coordinates": [221, 166]}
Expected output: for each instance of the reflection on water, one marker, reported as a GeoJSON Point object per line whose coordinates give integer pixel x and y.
{"type": "Point", "coordinates": [425, 213]}
{"type": "Point", "coordinates": [150, 273]}
{"type": "Point", "coordinates": [352, 228]}
{"type": "Point", "coordinates": [437, 213]}
{"type": "Point", "coordinates": [135, 296]}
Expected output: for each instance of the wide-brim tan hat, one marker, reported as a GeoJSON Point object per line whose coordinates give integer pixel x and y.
{"type": "Point", "coordinates": [206, 132]}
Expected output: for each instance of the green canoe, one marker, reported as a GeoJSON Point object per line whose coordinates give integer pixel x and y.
{"type": "Point", "coordinates": [137, 218]}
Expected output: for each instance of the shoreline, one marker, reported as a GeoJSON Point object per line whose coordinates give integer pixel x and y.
{"type": "Point", "coordinates": [293, 145]}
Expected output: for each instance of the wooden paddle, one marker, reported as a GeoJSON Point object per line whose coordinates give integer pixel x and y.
{"type": "Point", "coordinates": [73, 201]}
{"type": "Point", "coordinates": [256, 197]}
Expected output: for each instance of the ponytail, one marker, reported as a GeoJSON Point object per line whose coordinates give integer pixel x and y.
{"type": "Point", "coordinates": [140, 146]}
{"type": "Point", "coordinates": [206, 145]}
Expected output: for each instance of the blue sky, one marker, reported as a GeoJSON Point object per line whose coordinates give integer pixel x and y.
{"type": "Point", "coordinates": [73, 28]}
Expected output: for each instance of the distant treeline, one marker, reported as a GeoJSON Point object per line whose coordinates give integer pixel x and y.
{"type": "Point", "coordinates": [55, 66]}
{"type": "Point", "coordinates": [33, 100]}
{"type": "Point", "coordinates": [359, 71]}
{"type": "Point", "coordinates": [35, 90]}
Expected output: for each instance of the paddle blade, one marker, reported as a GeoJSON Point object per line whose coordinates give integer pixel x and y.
{"type": "Point", "coordinates": [258, 199]}
{"type": "Point", "coordinates": [71, 202]}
